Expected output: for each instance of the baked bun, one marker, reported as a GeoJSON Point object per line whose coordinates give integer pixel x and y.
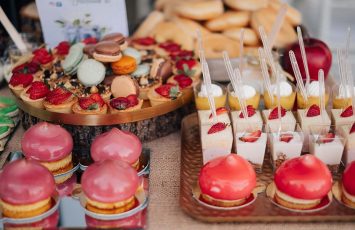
{"type": "Point", "coordinates": [250, 36]}
{"type": "Point", "coordinates": [227, 20]}
{"type": "Point", "coordinates": [148, 24]}
{"type": "Point", "coordinates": [199, 10]}
{"type": "Point", "coordinates": [249, 5]}
{"type": "Point", "coordinates": [293, 16]}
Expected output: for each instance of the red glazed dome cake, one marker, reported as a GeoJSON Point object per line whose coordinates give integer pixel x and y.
{"type": "Point", "coordinates": [26, 188]}
{"type": "Point", "coordinates": [227, 181]}
{"type": "Point", "coordinates": [348, 181]}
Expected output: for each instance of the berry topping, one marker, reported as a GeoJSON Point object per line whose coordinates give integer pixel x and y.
{"type": "Point", "coordinates": [348, 112]}
{"type": "Point", "coordinates": [352, 130]}
{"type": "Point", "coordinates": [42, 56]}
{"type": "Point", "coordinates": [89, 40]}
{"type": "Point", "coordinates": [329, 137]}
{"type": "Point", "coordinates": [251, 111]}
{"type": "Point", "coordinates": [168, 90]}
{"type": "Point", "coordinates": [63, 48]}
{"type": "Point", "coordinates": [313, 111]}
{"type": "Point", "coordinates": [190, 64]}
{"type": "Point", "coordinates": [30, 67]}
{"type": "Point", "coordinates": [94, 101]}
{"type": "Point", "coordinates": [219, 111]}
{"type": "Point", "coordinates": [274, 114]}
{"type": "Point", "coordinates": [286, 137]}
{"type": "Point", "coordinates": [183, 81]}
{"type": "Point", "coordinates": [217, 128]}
{"type": "Point", "coordinates": [98, 99]}
{"type": "Point", "coordinates": [58, 96]}
{"type": "Point", "coordinates": [182, 54]}
{"type": "Point", "coordinates": [251, 137]}
{"type": "Point", "coordinates": [170, 47]}
{"type": "Point", "coordinates": [38, 90]}
{"type": "Point", "coordinates": [147, 41]}
{"type": "Point", "coordinates": [24, 79]}
{"type": "Point", "coordinates": [122, 103]}
{"type": "Point", "coordinates": [133, 100]}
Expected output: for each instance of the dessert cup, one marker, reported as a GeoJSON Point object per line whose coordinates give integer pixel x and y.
{"type": "Point", "coordinates": [202, 101]}
{"type": "Point", "coordinates": [327, 145]}
{"type": "Point", "coordinates": [205, 116]}
{"type": "Point", "coordinates": [286, 102]}
{"type": "Point", "coordinates": [252, 100]}
{"type": "Point", "coordinates": [312, 100]}
{"type": "Point", "coordinates": [288, 122]}
{"type": "Point", "coordinates": [341, 98]}
{"type": "Point", "coordinates": [285, 145]}
{"type": "Point", "coordinates": [339, 118]}
{"type": "Point", "coordinates": [240, 124]}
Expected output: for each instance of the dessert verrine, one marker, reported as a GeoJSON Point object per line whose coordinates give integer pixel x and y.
{"type": "Point", "coordinates": [348, 185]}
{"type": "Point", "coordinates": [272, 121]}
{"type": "Point", "coordinates": [251, 94]}
{"type": "Point", "coordinates": [163, 93]}
{"type": "Point", "coordinates": [26, 189]}
{"type": "Point", "coordinates": [205, 116]}
{"type": "Point", "coordinates": [327, 144]}
{"type": "Point", "coordinates": [342, 117]}
{"type": "Point", "coordinates": [287, 96]}
{"type": "Point", "coordinates": [50, 145]}
{"type": "Point", "coordinates": [109, 187]}
{"type": "Point", "coordinates": [35, 94]}
{"type": "Point", "coordinates": [301, 183]}
{"type": "Point", "coordinates": [227, 181]}
{"type": "Point", "coordinates": [218, 92]}
{"type": "Point", "coordinates": [117, 145]}
{"type": "Point", "coordinates": [313, 96]}
{"type": "Point", "coordinates": [341, 95]}
{"type": "Point", "coordinates": [348, 132]}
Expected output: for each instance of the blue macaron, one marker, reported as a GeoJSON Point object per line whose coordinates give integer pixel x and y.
{"type": "Point", "coordinates": [129, 51]}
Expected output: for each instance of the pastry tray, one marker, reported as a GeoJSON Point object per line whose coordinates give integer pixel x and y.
{"type": "Point", "coordinates": [262, 210]}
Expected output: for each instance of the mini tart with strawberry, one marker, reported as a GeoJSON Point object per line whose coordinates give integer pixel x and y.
{"type": "Point", "coordinates": [43, 57]}
{"type": "Point", "coordinates": [35, 94]}
{"type": "Point", "coordinates": [164, 93]}
{"type": "Point", "coordinates": [190, 67]}
{"type": "Point", "coordinates": [60, 100]}
{"type": "Point", "coordinates": [61, 50]}
{"type": "Point", "coordinates": [19, 81]}
{"type": "Point", "coordinates": [167, 48]}
{"type": "Point", "coordinates": [183, 81]}
{"type": "Point", "coordinates": [145, 43]}
{"type": "Point", "coordinates": [125, 104]}
{"type": "Point", "coordinates": [91, 105]}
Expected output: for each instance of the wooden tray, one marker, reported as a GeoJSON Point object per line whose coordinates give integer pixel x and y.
{"type": "Point", "coordinates": [262, 210]}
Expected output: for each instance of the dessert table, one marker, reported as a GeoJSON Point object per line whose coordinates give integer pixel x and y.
{"type": "Point", "coordinates": [163, 210]}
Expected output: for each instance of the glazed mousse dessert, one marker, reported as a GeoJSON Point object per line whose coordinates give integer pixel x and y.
{"type": "Point", "coordinates": [50, 145]}
{"type": "Point", "coordinates": [26, 189]}
{"type": "Point", "coordinates": [35, 94]}
{"type": "Point", "coordinates": [285, 145]}
{"type": "Point", "coordinates": [272, 121]}
{"type": "Point", "coordinates": [302, 183]}
{"type": "Point", "coordinates": [348, 132]}
{"type": "Point", "coordinates": [109, 187]}
{"type": "Point", "coordinates": [312, 96]}
{"type": "Point", "coordinates": [59, 100]}
{"type": "Point", "coordinates": [163, 93]}
{"type": "Point", "coordinates": [117, 145]}
{"type": "Point", "coordinates": [93, 104]}
{"type": "Point", "coordinates": [342, 117]}
{"type": "Point", "coordinates": [251, 94]}
{"type": "Point", "coordinates": [227, 181]}
{"type": "Point", "coordinates": [287, 96]}
{"type": "Point", "coordinates": [328, 145]}
{"type": "Point", "coordinates": [218, 92]}
{"type": "Point", "coordinates": [241, 124]}
{"type": "Point", "coordinates": [348, 185]}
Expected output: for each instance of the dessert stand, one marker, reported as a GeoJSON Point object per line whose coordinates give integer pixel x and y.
{"type": "Point", "coordinates": [262, 210]}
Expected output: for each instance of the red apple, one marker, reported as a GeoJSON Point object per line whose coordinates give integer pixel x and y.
{"type": "Point", "coordinates": [318, 55]}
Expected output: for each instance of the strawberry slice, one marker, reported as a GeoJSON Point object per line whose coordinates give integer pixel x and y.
{"type": "Point", "coordinates": [313, 111]}
{"type": "Point", "coordinates": [352, 129]}
{"type": "Point", "coordinates": [286, 137]}
{"type": "Point", "coordinates": [251, 137]}
{"type": "Point", "coordinates": [219, 111]}
{"type": "Point", "coordinates": [38, 90]}
{"type": "Point", "coordinates": [120, 103]}
{"type": "Point", "coordinates": [274, 114]}
{"type": "Point", "coordinates": [168, 90]}
{"type": "Point", "coordinates": [58, 96]}
{"type": "Point", "coordinates": [348, 112]}
{"type": "Point", "coordinates": [329, 137]}
{"type": "Point", "coordinates": [24, 79]}
{"type": "Point", "coordinates": [147, 41]}
{"type": "Point", "coordinates": [87, 103]}
{"type": "Point", "coordinates": [98, 99]}
{"type": "Point", "coordinates": [40, 52]}
{"type": "Point", "coordinates": [170, 47]}
{"type": "Point", "coordinates": [30, 67]}
{"type": "Point", "coordinates": [63, 48]}
{"type": "Point", "coordinates": [89, 40]}
{"type": "Point", "coordinates": [189, 63]}
{"type": "Point", "coordinates": [132, 100]}
{"type": "Point", "coordinates": [182, 54]}
{"type": "Point", "coordinates": [183, 81]}
{"type": "Point", "coordinates": [217, 127]}
{"type": "Point", "coordinates": [250, 110]}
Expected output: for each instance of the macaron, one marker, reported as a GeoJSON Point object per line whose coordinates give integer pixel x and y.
{"type": "Point", "coordinates": [142, 70]}
{"type": "Point", "coordinates": [122, 86]}
{"type": "Point", "coordinates": [26, 188]}
{"type": "Point", "coordinates": [89, 50]}
{"type": "Point", "coordinates": [118, 38]}
{"type": "Point", "coordinates": [73, 59]}
{"type": "Point", "coordinates": [125, 65]}
{"type": "Point", "coordinates": [132, 52]}
{"type": "Point", "coordinates": [8, 107]}
{"type": "Point", "coordinates": [6, 121]}
{"type": "Point", "coordinates": [107, 51]}
{"type": "Point", "coordinates": [91, 72]}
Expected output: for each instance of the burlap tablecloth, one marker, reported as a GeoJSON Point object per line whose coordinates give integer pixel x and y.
{"type": "Point", "coordinates": [163, 210]}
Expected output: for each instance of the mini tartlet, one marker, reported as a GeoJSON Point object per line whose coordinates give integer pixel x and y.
{"type": "Point", "coordinates": [35, 94]}
{"type": "Point", "coordinates": [301, 183]}
{"type": "Point", "coordinates": [227, 181]}
{"type": "Point", "coordinates": [19, 81]}
{"type": "Point", "coordinates": [26, 189]}
{"type": "Point", "coordinates": [117, 145]}
{"type": "Point", "coordinates": [93, 104]}
{"type": "Point", "coordinates": [50, 145]}
{"type": "Point", "coordinates": [59, 100]}
{"type": "Point", "coordinates": [164, 93]}
{"type": "Point", "coordinates": [109, 187]}
{"type": "Point", "coordinates": [348, 188]}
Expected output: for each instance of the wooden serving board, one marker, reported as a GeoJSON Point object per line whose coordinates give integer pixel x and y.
{"type": "Point", "coordinates": [262, 210]}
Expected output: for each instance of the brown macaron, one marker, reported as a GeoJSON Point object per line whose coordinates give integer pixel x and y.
{"type": "Point", "coordinates": [107, 51]}
{"type": "Point", "coordinates": [118, 38]}
{"type": "Point", "coordinates": [89, 50]}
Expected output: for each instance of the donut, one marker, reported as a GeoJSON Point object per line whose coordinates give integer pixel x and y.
{"type": "Point", "coordinates": [266, 17]}
{"type": "Point", "coordinates": [125, 65]}
{"type": "Point", "coordinates": [190, 27]}
{"type": "Point", "coordinates": [250, 36]}
{"type": "Point", "coordinates": [249, 5]}
{"type": "Point", "coordinates": [228, 20]}
{"type": "Point", "coordinates": [293, 16]}
{"type": "Point", "coordinates": [214, 44]}
{"type": "Point", "coordinates": [199, 10]}
{"type": "Point", "coordinates": [169, 31]}
{"type": "Point", "coordinates": [148, 24]}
